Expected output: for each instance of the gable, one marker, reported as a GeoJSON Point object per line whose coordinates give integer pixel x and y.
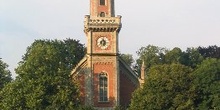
{"type": "Point", "coordinates": [79, 67]}
{"type": "Point", "coordinates": [125, 69]}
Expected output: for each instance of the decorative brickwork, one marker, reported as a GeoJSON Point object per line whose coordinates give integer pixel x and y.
{"type": "Point", "coordinates": [106, 68]}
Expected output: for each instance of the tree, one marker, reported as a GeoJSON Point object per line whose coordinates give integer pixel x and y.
{"type": "Point", "coordinates": [13, 96]}
{"type": "Point", "coordinates": [5, 75]}
{"type": "Point", "coordinates": [127, 58]}
{"type": "Point", "coordinates": [43, 80]}
{"type": "Point", "coordinates": [166, 87]}
{"type": "Point", "coordinates": [207, 84]}
{"type": "Point", "coordinates": [151, 55]}
{"type": "Point", "coordinates": [210, 52]}
{"type": "Point", "coordinates": [173, 56]}
{"type": "Point", "coordinates": [191, 57]}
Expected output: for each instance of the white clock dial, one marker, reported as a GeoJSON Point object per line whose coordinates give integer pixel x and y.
{"type": "Point", "coordinates": [103, 42]}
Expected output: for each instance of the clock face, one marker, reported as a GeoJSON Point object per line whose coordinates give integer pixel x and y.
{"type": "Point", "coordinates": [103, 42]}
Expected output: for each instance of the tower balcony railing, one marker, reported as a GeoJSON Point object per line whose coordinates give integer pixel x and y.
{"type": "Point", "coordinates": [102, 23]}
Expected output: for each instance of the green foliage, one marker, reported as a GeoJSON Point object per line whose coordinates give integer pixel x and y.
{"type": "Point", "coordinates": [166, 87]}
{"type": "Point", "coordinates": [120, 108]}
{"type": "Point", "coordinates": [180, 80]}
{"type": "Point", "coordinates": [13, 96]}
{"type": "Point", "coordinates": [191, 57]}
{"type": "Point", "coordinates": [85, 108]}
{"type": "Point", "coordinates": [5, 75]}
{"type": "Point", "coordinates": [210, 51]}
{"type": "Point", "coordinates": [152, 55]}
{"type": "Point", "coordinates": [207, 84]}
{"type": "Point", "coordinates": [173, 56]}
{"type": "Point", "coordinates": [43, 80]}
{"type": "Point", "coordinates": [127, 58]}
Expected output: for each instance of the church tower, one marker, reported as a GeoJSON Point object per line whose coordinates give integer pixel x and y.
{"type": "Point", "coordinates": [106, 81]}
{"type": "Point", "coordinates": [102, 27]}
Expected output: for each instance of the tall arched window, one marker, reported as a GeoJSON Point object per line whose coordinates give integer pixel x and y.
{"type": "Point", "coordinates": [103, 87]}
{"type": "Point", "coordinates": [102, 2]}
{"type": "Point", "coordinates": [102, 14]}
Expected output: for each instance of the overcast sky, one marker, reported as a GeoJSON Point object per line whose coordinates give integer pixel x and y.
{"type": "Point", "coordinates": [164, 23]}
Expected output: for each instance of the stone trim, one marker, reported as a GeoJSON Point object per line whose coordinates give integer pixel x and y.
{"type": "Point", "coordinates": [102, 24]}
{"type": "Point", "coordinates": [79, 66]}
{"type": "Point", "coordinates": [128, 67]}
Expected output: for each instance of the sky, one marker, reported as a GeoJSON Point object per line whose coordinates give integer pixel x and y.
{"type": "Point", "coordinates": [163, 23]}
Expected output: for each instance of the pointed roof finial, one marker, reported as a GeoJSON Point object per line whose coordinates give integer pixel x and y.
{"type": "Point", "coordinates": [142, 75]}
{"type": "Point", "coordinates": [142, 70]}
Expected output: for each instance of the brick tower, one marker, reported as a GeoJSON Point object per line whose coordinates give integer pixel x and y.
{"type": "Point", "coordinates": [106, 81]}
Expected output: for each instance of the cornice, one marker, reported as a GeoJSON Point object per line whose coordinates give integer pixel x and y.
{"type": "Point", "coordinates": [102, 24]}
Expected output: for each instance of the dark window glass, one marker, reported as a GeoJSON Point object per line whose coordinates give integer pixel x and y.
{"type": "Point", "coordinates": [102, 2]}
{"type": "Point", "coordinates": [103, 87]}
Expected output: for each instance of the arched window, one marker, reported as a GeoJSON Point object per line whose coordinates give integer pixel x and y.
{"type": "Point", "coordinates": [102, 2]}
{"type": "Point", "coordinates": [102, 14]}
{"type": "Point", "coordinates": [103, 87]}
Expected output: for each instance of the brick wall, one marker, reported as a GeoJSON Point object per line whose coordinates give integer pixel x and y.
{"type": "Point", "coordinates": [109, 69]}
{"type": "Point", "coordinates": [127, 87]}
{"type": "Point", "coordinates": [81, 82]}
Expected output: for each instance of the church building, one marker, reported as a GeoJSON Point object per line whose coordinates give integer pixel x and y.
{"type": "Point", "coordinates": [105, 80]}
